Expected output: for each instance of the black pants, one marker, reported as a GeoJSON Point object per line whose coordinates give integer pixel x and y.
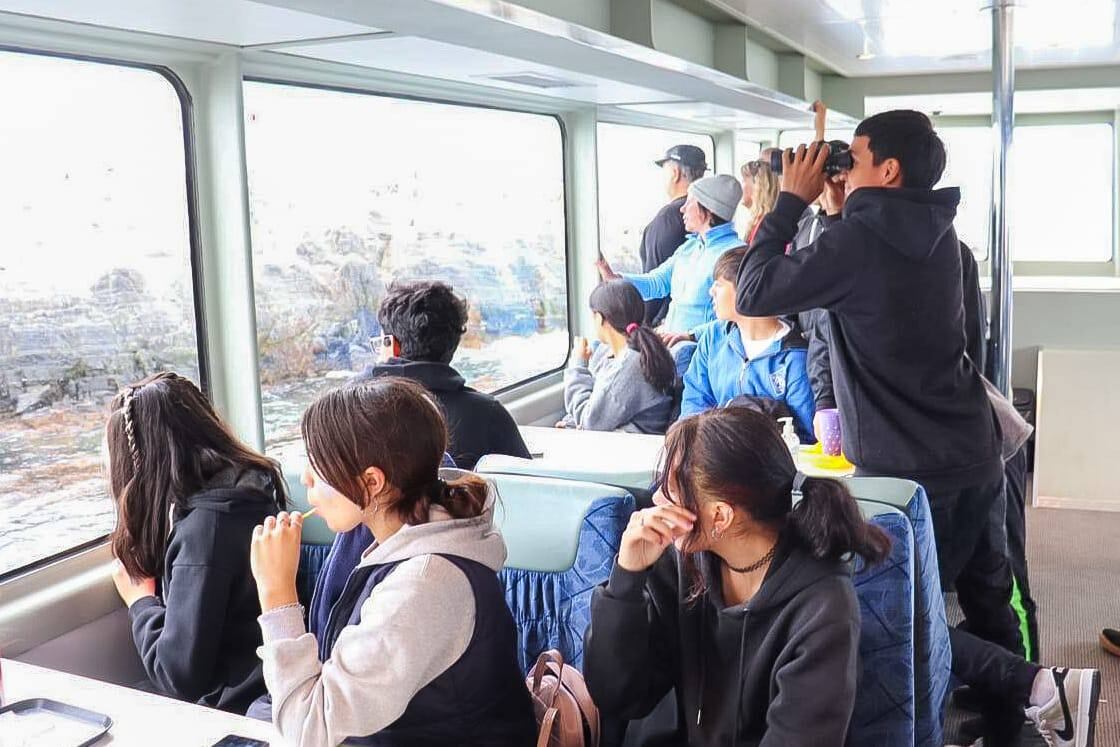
{"type": "Point", "coordinates": [1003, 682]}
{"type": "Point", "coordinates": [1015, 472]}
{"type": "Point", "coordinates": [970, 531]}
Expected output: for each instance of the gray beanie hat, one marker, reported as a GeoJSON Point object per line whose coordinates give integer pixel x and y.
{"type": "Point", "coordinates": [720, 194]}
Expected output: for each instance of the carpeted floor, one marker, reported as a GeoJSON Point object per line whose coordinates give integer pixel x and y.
{"type": "Point", "coordinates": [1074, 564]}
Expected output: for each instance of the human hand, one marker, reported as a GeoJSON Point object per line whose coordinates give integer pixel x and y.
{"type": "Point", "coordinates": [803, 171]}
{"type": "Point", "coordinates": [561, 423]}
{"type": "Point", "coordinates": [819, 111]}
{"type": "Point", "coordinates": [649, 534]}
{"type": "Point", "coordinates": [833, 195]}
{"type": "Point", "coordinates": [605, 271]}
{"type": "Point", "coordinates": [274, 558]}
{"type": "Point", "coordinates": [672, 338]}
{"type": "Point", "coordinates": [580, 349]}
{"type": "Point", "coordinates": [131, 591]}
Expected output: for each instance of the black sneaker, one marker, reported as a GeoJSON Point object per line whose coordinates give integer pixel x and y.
{"type": "Point", "coordinates": [1069, 719]}
{"type": "Point", "coordinates": [1110, 641]}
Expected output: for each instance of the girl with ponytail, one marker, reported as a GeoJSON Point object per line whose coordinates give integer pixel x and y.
{"type": "Point", "coordinates": [734, 591]}
{"type": "Point", "coordinates": [420, 647]}
{"type": "Point", "coordinates": [627, 383]}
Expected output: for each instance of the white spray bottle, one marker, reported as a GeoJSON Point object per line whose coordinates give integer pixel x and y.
{"type": "Point", "coordinates": [789, 435]}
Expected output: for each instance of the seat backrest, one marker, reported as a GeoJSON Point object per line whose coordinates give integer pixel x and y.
{"type": "Point", "coordinates": [932, 655]}
{"type": "Point", "coordinates": [884, 709]}
{"type": "Point", "coordinates": [561, 538]}
{"type": "Point", "coordinates": [636, 481]}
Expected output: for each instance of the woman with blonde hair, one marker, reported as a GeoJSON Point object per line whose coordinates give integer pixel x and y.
{"type": "Point", "coordinates": [760, 191]}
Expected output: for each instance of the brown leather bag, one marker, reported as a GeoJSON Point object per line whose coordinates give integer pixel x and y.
{"type": "Point", "coordinates": [566, 715]}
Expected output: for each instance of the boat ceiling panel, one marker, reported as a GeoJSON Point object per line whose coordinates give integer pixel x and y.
{"type": "Point", "coordinates": [893, 37]}
{"type": "Point", "coordinates": [416, 56]}
{"type": "Point", "coordinates": [235, 22]}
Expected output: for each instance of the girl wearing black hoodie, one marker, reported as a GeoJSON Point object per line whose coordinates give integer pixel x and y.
{"type": "Point", "coordinates": [188, 495]}
{"type": "Point", "coordinates": [751, 618]}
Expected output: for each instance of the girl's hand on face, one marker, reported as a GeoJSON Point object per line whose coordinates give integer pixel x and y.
{"type": "Point", "coordinates": [129, 590]}
{"type": "Point", "coordinates": [274, 558]}
{"type": "Point", "coordinates": [650, 532]}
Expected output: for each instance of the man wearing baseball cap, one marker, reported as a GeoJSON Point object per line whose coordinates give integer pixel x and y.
{"type": "Point", "coordinates": [681, 166]}
{"type": "Point", "coordinates": [686, 276]}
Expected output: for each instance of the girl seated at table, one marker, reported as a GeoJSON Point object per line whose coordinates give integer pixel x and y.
{"type": "Point", "coordinates": [626, 384]}
{"type": "Point", "coordinates": [188, 494]}
{"type": "Point", "coordinates": [420, 647]}
{"type": "Point", "coordinates": [757, 357]}
{"type": "Point", "coordinates": [733, 596]}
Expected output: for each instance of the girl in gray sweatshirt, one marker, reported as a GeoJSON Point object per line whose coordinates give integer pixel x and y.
{"type": "Point", "coordinates": [627, 383]}
{"type": "Point", "coordinates": [420, 648]}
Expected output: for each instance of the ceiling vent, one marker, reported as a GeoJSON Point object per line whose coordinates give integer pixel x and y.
{"type": "Point", "coordinates": [533, 80]}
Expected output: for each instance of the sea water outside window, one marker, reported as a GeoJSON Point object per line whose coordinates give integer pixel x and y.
{"type": "Point", "coordinates": [351, 191]}
{"type": "Point", "coordinates": [631, 188]}
{"type": "Point", "coordinates": [95, 282]}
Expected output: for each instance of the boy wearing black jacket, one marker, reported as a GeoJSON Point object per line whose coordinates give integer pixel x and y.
{"type": "Point", "coordinates": [912, 404]}
{"type": "Point", "coordinates": [426, 321]}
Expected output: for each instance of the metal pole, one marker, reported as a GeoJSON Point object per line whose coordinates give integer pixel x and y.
{"type": "Point", "coordinates": [1003, 116]}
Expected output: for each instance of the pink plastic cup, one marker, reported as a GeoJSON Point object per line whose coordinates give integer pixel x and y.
{"type": "Point", "coordinates": [830, 431]}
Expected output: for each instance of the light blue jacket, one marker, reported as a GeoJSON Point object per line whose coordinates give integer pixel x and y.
{"type": "Point", "coordinates": [686, 277]}
{"type": "Point", "coordinates": [720, 371]}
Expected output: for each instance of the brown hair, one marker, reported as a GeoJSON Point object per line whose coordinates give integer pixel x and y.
{"type": "Point", "coordinates": [165, 443]}
{"type": "Point", "coordinates": [727, 266]}
{"type": "Point", "coordinates": [395, 425]}
{"type": "Point", "coordinates": [737, 456]}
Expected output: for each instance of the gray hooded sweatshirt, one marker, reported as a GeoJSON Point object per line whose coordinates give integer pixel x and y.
{"type": "Point", "coordinates": [378, 665]}
{"type": "Point", "coordinates": [610, 393]}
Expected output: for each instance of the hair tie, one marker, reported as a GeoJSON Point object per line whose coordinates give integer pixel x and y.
{"type": "Point", "coordinates": [632, 327]}
{"type": "Point", "coordinates": [798, 482]}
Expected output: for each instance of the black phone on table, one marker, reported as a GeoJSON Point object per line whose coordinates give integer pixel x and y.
{"type": "Point", "coordinates": [232, 740]}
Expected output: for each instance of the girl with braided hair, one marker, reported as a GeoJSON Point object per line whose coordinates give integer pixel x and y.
{"type": "Point", "coordinates": [420, 648]}
{"type": "Point", "coordinates": [188, 494]}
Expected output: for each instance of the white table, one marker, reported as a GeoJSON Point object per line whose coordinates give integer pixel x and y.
{"type": "Point", "coordinates": [139, 718]}
{"type": "Point", "coordinates": [626, 459]}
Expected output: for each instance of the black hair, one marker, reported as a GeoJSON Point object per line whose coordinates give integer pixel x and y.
{"type": "Point", "coordinates": [727, 266]}
{"type": "Point", "coordinates": [737, 455]}
{"type": "Point", "coordinates": [690, 172]}
{"type": "Point", "coordinates": [622, 308]}
{"type": "Point", "coordinates": [713, 219]}
{"type": "Point", "coordinates": [426, 318]}
{"type": "Point", "coordinates": [908, 137]}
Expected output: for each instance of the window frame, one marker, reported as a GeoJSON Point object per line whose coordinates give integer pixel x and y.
{"type": "Point", "coordinates": [1058, 269]}
{"type": "Point", "coordinates": [644, 124]}
{"type": "Point", "coordinates": [565, 176]}
{"type": "Point", "coordinates": [194, 234]}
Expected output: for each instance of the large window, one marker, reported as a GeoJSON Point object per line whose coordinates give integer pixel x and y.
{"type": "Point", "coordinates": [631, 188]}
{"type": "Point", "coordinates": [968, 165]}
{"type": "Point", "coordinates": [351, 191]}
{"type": "Point", "coordinates": [95, 282]}
{"type": "Point", "coordinates": [1058, 213]}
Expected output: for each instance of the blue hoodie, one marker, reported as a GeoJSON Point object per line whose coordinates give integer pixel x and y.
{"type": "Point", "coordinates": [686, 277]}
{"type": "Point", "coordinates": [720, 371]}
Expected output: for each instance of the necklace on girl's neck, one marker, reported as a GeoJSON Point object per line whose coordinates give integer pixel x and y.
{"type": "Point", "coordinates": [756, 564]}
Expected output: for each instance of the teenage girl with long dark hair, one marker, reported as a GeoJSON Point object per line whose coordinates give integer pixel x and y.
{"type": "Point", "coordinates": [734, 591]}
{"type": "Point", "coordinates": [188, 495]}
{"type": "Point", "coordinates": [626, 384]}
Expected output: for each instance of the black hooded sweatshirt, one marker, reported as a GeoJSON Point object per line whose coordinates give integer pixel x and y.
{"type": "Point", "coordinates": [477, 422]}
{"type": "Point", "coordinates": [198, 640]}
{"type": "Point", "coordinates": [889, 274]}
{"type": "Point", "coordinates": [778, 670]}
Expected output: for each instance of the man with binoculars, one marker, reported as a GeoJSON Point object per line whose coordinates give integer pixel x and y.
{"type": "Point", "coordinates": [887, 272]}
